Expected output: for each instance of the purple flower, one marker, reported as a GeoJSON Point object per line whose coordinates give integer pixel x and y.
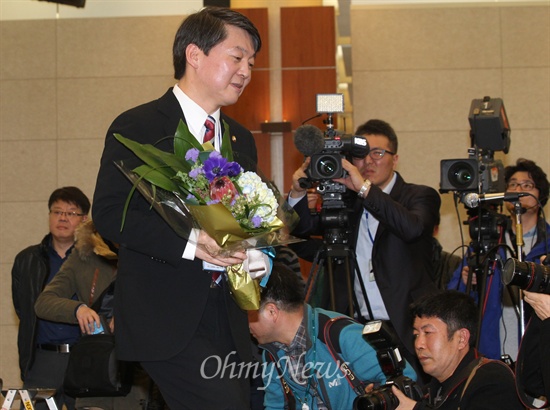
{"type": "Point", "coordinates": [233, 169]}
{"type": "Point", "coordinates": [218, 166]}
{"type": "Point", "coordinates": [194, 173]}
{"type": "Point", "coordinates": [256, 221]}
{"type": "Point", "coordinates": [192, 155]}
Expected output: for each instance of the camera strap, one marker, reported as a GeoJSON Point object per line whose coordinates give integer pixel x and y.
{"type": "Point", "coordinates": [290, 400]}
{"type": "Point", "coordinates": [329, 333]}
{"type": "Point", "coordinates": [463, 379]}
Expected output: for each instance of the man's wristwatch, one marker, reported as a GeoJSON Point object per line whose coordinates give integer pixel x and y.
{"type": "Point", "coordinates": [364, 189]}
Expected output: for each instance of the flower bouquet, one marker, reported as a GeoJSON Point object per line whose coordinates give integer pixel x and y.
{"type": "Point", "coordinates": [198, 187]}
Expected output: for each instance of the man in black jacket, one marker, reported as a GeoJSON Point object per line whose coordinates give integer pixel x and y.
{"type": "Point", "coordinates": [392, 224]}
{"type": "Point", "coordinates": [170, 314]}
{"type": "Point", "coordinates": [445, 327]}
{"type": "Point", "coordinates": [44, 346]}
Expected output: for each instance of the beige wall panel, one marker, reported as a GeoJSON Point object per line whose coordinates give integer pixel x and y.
{"type": "Point", "coordinates": [116, 47]}
{"type": "Point", "coordinates": [88, 106]}
{"type": "Point", "coordinates": [27, 49]}
{"type": "Point", "coordinates": [420, 153]}
{"type": "Point", "coordinates": [417, 38]}
{"type": "Point", "coordinates": [23, 224]}
{"type": "Point", "coordinates": [526, 36]}
{"type": "Point", "coordinates": [9, 358]}
{"type": "Point", "coordinates": [27, 170]}
{"type": "Point", "coordinates": [28, 109]}
{"type": "Point", "coordinates": [80, 164]}
{"type": "Point", "coordinates": [533, 144]}
{"type": "Point", "coordinates": [527, 97]}
{"type": "Point", "coordinates": [420, 67]}
{"type": "Point", "coordinates": [422, 100]}
{"type": "Point", "coordinates": [236, 4]}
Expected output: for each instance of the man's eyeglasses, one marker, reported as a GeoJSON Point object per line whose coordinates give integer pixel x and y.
{"type": "Point", "coordinates": [525, 186]}
{"type": "Point", "coordinates": [379, 153]}
{"type": "Point", "coordinates": [68, 214]}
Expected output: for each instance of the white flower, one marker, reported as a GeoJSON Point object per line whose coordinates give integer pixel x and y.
{"type": "Point", "coordinates": [258, 193]}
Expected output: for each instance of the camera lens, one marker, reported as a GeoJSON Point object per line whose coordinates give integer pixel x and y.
{"type": "Point", "coordinates": [382, 399]}
{"type": "Point", "coordinates": [527, 275]}
{"type": "Point", "coordinates": [328, 167]}
{"type": "Point", "coordinates": [461, 174]}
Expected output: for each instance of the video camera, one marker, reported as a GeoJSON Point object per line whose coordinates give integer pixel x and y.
{"type": "Point", "coordinates": [489, 132]}
{"type": "Point", "coordinates": [327, 150]}
{"type": "Point", "coordinates": [380, 336]}
{"type": "Point", "coordinates": [476, 179]}
{"type": "Point", "coordinates": [328, 163]}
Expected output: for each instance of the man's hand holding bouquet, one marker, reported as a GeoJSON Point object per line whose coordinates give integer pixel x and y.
{"type": "Point", "coordinates": [210, 200]}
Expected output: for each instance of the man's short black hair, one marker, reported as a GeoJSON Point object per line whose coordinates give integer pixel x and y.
{"type": "Point", "coordinates": [71, 195]}
{"type": "Point", "coordinates": [456, 309]}
{"type": "Point", "coordinates": [206, 29]}
{"type": "Point", "coordinates": [539, 176]}
{"type": "Point", "coordinates": [379, 127]}
{"type": "Point", "coordinates": [284, 288]}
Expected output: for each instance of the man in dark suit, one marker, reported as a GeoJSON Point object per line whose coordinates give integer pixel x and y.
{"type": "Point", "coordinates": [392, 224]}
{"type": "Point", "coordinates": [185, 329]}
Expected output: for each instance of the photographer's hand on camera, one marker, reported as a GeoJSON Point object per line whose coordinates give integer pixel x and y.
{"type": "Point", "coordinates": [540, 303]}
{"type": "Point", "coordinates": [465, 273]}
{"type": "Point", "coordinates": [353, 180]}
{"type": "Point", "coordinates": [298, 190]}
{"type": "Point", "coordinates": [405, 403]}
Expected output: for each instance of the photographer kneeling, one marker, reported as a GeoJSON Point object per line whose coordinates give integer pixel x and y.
{"type": "Point", "coordinates": [445, 329]}
{"type": "Point", "coordinates": [300, 370]}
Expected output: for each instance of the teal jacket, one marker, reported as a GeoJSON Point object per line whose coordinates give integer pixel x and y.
{"type": "Point", "coordinates": [334, 389]}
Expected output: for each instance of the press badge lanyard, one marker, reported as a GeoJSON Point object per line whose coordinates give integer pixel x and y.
{"type": "Point", "coordinates": [368, 229]}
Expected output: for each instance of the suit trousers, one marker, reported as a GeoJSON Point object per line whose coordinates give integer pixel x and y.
{"type": "Point", "coordinates": [206, 373]}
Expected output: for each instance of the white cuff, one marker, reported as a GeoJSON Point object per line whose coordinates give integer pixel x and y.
{"type": "Point", "coordinates": [256, 263]}
{"type": "Point", "coordinates": [191, 247]}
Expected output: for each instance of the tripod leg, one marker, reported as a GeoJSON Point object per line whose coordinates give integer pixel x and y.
{"type": "Point", "coordinates": [312, 279]}
{"type": "Point", "coordinates": [331, 284]}
{"type": "Point", "coordinates": [350, 288]}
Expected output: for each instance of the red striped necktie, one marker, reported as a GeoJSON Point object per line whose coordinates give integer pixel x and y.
{"type": "Point", "coordinates": [210, 127]}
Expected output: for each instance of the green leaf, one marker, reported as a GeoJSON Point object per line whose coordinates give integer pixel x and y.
{"type": "Point", "coordinates": [156, 178]}
{"type": "Point", "coordinates": [155, 157]}
{"type": "Point", "coordinates": [204, 155]}
{"type": "Point", "coordinates": [226, 148]}
{"type": "Point", "coordinates": [184, 141]}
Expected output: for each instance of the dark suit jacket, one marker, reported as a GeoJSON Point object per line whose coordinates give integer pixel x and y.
{"type": "Point", "coordinates": [402, 251]}
{"type": "Point", "coordinates": [490, 388]}
{"type": "Point", "coordinates": [159, 297]}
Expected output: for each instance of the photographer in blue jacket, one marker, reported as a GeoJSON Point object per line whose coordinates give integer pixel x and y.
{"type": "Point", "coordinates": [499, 324]}
{"type": "Point", "coordinates": [296, 356]}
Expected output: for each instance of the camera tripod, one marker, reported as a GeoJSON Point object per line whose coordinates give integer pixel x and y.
{"type": "Point", "coordinates": [485, 259]}
{"type": "Point", "coordinates": [327, 257]}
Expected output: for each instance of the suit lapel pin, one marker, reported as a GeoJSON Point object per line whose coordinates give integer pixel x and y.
{"type": "Point", "coordinates": [233, 138]}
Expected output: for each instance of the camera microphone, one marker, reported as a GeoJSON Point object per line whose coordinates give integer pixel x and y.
{"type": "Point", "coordinates": [472, 200]}
{"type": "Point", "coordinates": [309, 140]}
